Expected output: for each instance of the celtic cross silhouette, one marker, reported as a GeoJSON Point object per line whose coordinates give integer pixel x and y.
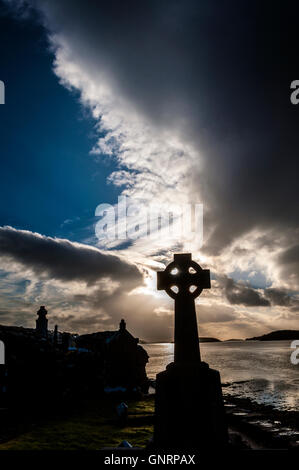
{"type": "Point", "coordinates": [184, 280]}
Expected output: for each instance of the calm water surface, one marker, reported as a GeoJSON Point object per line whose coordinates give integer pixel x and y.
{"type": "Point", "coordinates": [263, 369]}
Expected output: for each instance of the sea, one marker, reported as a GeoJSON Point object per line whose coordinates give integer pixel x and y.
{"type": "Point", "coordinates": [259, 370]}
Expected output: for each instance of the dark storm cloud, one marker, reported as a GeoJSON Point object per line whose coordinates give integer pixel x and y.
{"type": "Point", "coordinates": [52, 258]}
{"type": "Point", "coordinates": [290, 256]}
{"type": "Point", "coordinates": [237, 293]}
{"type": "Point", "coordinates": [63, 260]}
{"type": "Point", "coordinates": [278, 297]}
{"type": "Point", "coordinates": [218, 72]}
{"type": "Point", "coordinates": [244, 294]}
{"type": "Point", "coordinates": [288, 262]}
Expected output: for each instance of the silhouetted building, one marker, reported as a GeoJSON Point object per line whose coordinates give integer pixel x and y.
{"type": "Point", "coordinates": [125, 360]}
{"type": "Point", "coordinates": [60, 366]}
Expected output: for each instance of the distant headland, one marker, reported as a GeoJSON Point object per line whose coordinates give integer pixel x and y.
{"type": "Point", "coordinates": [277, 335]}
{"type": "Point", "coordinates": [205, 339]}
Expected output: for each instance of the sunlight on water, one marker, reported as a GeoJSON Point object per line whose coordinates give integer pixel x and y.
{"type": "Point", "coordinates": [263, 369]}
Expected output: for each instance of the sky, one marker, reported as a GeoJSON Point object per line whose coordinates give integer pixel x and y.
{"type": "Point", "coordinates": [170, 104]}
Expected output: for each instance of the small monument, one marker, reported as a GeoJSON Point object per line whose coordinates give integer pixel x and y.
{"type": "Point", "coordinates": [42, 322]}
{"type": "Point", "coordinates": [189, 405]}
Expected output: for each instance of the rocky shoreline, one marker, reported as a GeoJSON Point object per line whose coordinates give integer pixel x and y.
{"type": "Point", "coordinates": [261, 426]}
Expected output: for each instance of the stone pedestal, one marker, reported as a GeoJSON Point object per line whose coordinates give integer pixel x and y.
{"type": "Point", "coordinates": [189, 408]}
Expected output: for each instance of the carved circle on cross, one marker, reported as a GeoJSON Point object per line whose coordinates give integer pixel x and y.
{"type": "Point", "coordinates": [183, 279]}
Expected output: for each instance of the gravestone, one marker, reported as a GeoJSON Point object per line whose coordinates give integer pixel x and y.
{"type": "Point", "coordinates": [189, 411]}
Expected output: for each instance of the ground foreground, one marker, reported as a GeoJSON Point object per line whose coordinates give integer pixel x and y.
{"type": "Point", "coordinates": [92, 426]}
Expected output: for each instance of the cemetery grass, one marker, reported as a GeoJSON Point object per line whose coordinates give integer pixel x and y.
{"type": "Point", "coordinates": [91, 427]}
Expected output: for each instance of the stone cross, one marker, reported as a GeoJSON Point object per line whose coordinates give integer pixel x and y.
{"type": "Point", "coordinates": [184, 280]}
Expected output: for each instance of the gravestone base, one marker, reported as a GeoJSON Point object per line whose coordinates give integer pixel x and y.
{"type": "Point", "coordinates": [189, 408]}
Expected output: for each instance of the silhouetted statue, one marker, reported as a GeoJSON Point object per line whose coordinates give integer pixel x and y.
{"type": "Point", "coordinates": [42, 322]}
{"type": "Point", "coordinates": [122, 325]}
{"type": "Point", "coordinates": [189, 404]}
